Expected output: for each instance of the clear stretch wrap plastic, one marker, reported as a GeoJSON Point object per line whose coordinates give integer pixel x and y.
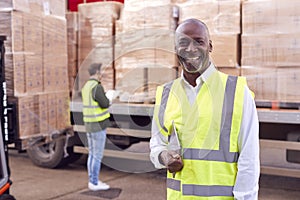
{"type": "Point", "coordinates": [143, 16]}
{"type": "Point", "coordinates": [9, 5]}
{"type": "Point", "coordinates": [220, 16]}
{"type": "Point", "coordinates": [223, 21]}
{"type": "Point", "coordinates": [95, 40]}
{"type": "Point", "coordinates": [72, 38]}
{"type": "Point", "coordinates": [36, 63]}
{"type": "Point", "coordinates": [11, 25]}
{"type": "Point", "coordinates": [271, 49]}
{"type": "Point", "coordinates": [144, 49]}
{"type": "Point", "coordinates": [55, 54]}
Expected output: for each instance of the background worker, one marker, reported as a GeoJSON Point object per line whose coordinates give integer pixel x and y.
{"type": "Point", "coordinates": [96, 119]}
{"type": "Point", "coordinates": [216, 120]}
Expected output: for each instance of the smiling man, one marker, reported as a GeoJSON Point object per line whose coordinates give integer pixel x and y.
{"type": "Point", "coordinates": [215, 118]}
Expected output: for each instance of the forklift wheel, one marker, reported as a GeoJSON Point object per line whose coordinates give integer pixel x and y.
{"type": "Point", "coordinates": [7, 197]}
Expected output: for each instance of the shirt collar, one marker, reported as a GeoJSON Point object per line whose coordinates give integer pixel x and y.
{"type": "Point", "coordinates": [203, 77]}
{"type": "Point", "coordinates": [94, 79]}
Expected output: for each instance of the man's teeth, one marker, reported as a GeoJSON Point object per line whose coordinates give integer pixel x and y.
{"type": "Point", "coordinates": [194, 58]}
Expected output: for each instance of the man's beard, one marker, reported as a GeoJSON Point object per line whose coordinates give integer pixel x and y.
{"type": "Point", "coordinates": [193, 63]}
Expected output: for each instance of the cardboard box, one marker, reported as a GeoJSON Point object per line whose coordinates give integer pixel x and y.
{"type": "Point", "coordinates": [36, 7]}
{"type": "Point", "coordinates": [228, 17]}
{"type": "Point", "coordinates": [225, 51]}
{"type": "Point", "coordinates": [271, 50]}
{"type": "Point", "coordinates": [27, 119]}
{"type": "Point", "coordinates": [15, 74]}
{"type": "Point", "coordinates": [55, 57]}
{"type": "Point", "coordinates": [49, 76]}
{"type": "Point", "coordinates": [270, 17]}
{"type": "Point", "coordinates": [33, 38]}
{"type": "Point", "coordinates": [146, 80]}
{"type": "Point", "coordinates": [148, 17]}
{"type": "Point", "coordinates": [259, 17]}
{"type": "Point", "coordinates": [52, 111]}
{"type": "Point", "coordinates": [288, 16]}
{"type": "Point", "coordinates": [54, 35]}
{"type": "Point", "coordinates": [262, 81]}
{"type": "Point", "coordinates": [56, 7]}
{"type": "Point", "coordinates": [9, 5]}
{"type": "Point", "coordinates": [288, 49]}
{"type": "Point", "coordinates": [42, 113]}
{"type": "Point", "coordinates": [98, 55]}
{"type": "Point", "coordinates": [288, 84]}
{"type": "Point", "coordinates": [33, 73]}
{"type": "Point", "coordinates": [95, 31]}
{"type": "Point", "coordinates": [11, 25]}
{"type": "Point", "coordinates": [259, 50]}
{"type": "Point", "coordinates": [137, 59]}
{"type": "Point", "coordinates": [63, 110]}
{"type": "Point", "coordinates": [206, 11]}
{"type": "Point", "coordinates": [165, 58]}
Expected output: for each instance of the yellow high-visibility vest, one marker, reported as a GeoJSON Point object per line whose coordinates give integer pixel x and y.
{"type": "Point", "coordinates": [208, 131]}
{"type": "Point", "coordinates": [92, 112]}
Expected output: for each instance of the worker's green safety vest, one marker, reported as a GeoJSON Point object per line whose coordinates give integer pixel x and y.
{"type": "Point", "coordinates": [92, 112]}
{"type": "Point", "coordinates": [208, 131]}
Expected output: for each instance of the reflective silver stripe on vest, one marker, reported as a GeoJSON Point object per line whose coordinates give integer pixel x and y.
{"type": "Point", "coordinates": [173, 184]}
{"type": "Point", "coordinates": [91, 106]}
{"type": "Point", "coordinates": [207, 190]}
{"type": "Point", "coordinates": [200, 190]}
{"type": "Point", "coordinates": [163, 105]}
{"type": "Point", "coordinates": [223, 154]}
{"type": "Point", "coordinates": [227, 113]}
{"type": "Point", "coordinates": [94, 116]}
{"type": "Point", "coordinates": [213, 155]}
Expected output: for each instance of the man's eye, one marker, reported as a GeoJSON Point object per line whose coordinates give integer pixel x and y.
{"type": "Point", "coordinates": [198, 42]}
{"type": "Point", "coordinates": [183, 43]}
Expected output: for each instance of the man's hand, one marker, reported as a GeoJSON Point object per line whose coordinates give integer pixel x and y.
{"type": "Point", "coordinates": [171, 160]}
{"type": "Point", "coordinates": [112, 94]}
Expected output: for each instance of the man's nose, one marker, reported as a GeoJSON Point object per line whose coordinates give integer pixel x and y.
{"type": "Point", "coordinates": [191, 47]}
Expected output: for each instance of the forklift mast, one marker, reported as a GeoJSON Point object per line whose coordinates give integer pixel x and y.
{"type": "Point", "coordinates": [4, 168]}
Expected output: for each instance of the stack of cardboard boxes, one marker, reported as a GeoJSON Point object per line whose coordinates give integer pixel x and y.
{"type": "Point", "coordinates": [271, 49]}
{"type": "Point", "coordinates": [223, 21]}
{"type": "Point", "coordinates": [256, 39]}
{"type": "Point", "coordinates": [35, 63]}
{"type": "Point", "coordinates": [144, 50]}
{"type": "Point", "coordinates": [72, 33]}
{"type": "Point", "coordinates": [96, 23]}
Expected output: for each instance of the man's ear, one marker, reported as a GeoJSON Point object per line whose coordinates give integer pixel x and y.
{"type": "Point", "coordinates": [210, 46]}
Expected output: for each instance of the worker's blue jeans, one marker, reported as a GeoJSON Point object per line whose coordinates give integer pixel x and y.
{"type": "Point", "coordinates": [96, 143]}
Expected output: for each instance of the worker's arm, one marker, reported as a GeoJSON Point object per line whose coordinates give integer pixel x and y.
{"type": "Point", "coordinates": [99, 96]}
{"type": "Point", "coordinates": [158, 144]}
{"type": "Point", "coordinates": [246, 185]}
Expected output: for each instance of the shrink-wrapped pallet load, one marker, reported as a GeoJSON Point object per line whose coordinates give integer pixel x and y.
{"type": "Point", "coordinates": [36, 63]}
{"type": "Point", "coordinates": [223, 21]}
{"type": "Point", "coordinates": [72, 39]}
{"type": "Point", "coordinates": [271, 43]}
{"type": "Point", "coordinates": [144, 50]}
{"type": "Point", "coordinates": [95, 40]}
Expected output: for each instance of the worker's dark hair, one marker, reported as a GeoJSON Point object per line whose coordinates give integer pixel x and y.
{"type": "Point", "coordinates": [94, 68]}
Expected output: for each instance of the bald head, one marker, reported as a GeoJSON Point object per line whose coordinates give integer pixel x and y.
{"type": "Point", "coordinates": [194, 23]}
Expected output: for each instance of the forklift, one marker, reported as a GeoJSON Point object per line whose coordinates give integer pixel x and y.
{"type": "Point", "coordinates": [5, 181]}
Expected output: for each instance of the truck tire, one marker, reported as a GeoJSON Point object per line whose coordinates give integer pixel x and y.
{"type": "Point", "coordinates": [50, 155]}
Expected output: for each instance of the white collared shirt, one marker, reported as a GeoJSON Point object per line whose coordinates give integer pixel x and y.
{"type": "Point", "coordinates": [246, 185]}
